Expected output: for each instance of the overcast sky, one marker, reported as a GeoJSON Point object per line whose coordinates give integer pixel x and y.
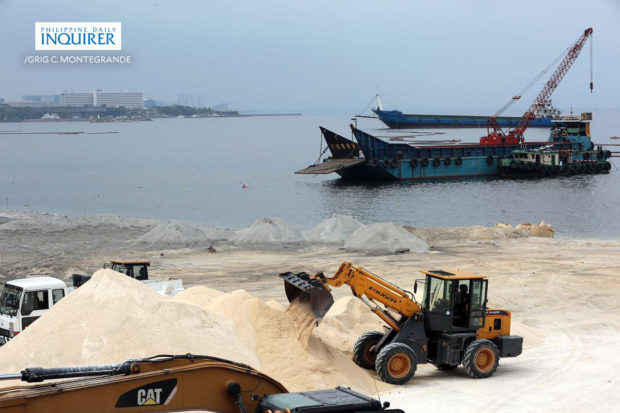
{"type": "Point", "coordinates": [327, 55]}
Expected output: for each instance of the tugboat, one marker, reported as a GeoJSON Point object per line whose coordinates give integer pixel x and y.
{"type": "Point", "coordinates": [545, 162]}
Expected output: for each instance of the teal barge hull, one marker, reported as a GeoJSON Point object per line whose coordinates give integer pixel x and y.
{"type": "Point", "coordinates": [406, 161]}
{"type": "Point", "coordinates": [395, 119]}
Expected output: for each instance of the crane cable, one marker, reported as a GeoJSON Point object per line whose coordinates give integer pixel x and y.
{"type": "Point", "coordinates": [368, 105]}
{"type": "Point", "coordinates": [537, 78]}
{"type": "Point", "coordinates": [591, 63]}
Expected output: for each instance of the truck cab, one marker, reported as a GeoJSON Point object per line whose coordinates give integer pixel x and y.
{"type": "Point", "coordinates": [24, 300]}
{"type": "Point", "coordinates": [135, 269]}
{"type": "Point", "coordinates": [140, 271]}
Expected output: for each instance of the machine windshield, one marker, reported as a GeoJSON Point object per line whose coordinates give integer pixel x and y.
{"type": "Point", "coordinates": [437, 297]}
{"type": "Point", "coordinates": [9, 300]}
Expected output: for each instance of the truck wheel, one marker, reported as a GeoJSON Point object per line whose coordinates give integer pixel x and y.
{"type": "Point", "coordinates": [481, 359]}
{"type": "Point", "coordinates": [396, 363]}
{"type": "Point", "coordinates": [362, 354]}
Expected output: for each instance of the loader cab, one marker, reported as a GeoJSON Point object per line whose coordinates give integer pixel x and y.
{"type": "Point", "coordinates": [454, 301]}
{"type": "Point", "coordinates": [134, 269]}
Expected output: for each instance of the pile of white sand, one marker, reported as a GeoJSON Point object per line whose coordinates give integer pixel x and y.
{"type": "Point", "coordinates": [40, 222]}
{"type": "Point", "coordinates": [267, 231]}
{"type": "Point", "coordinates": [270, 332]}
{"type": "Point", "coordinates": [481, 233]}
{"type": "Point", "coordinates": [473, 233]}
{"type": "Point", "coordinates": [114, 317]}
{"type": "Point", "coordinates": [182, 234]}
{"type": "Point", "coordinates": [334, 229]}
{"type": "Point", "coordinates": [346, 320]}
{"type": "Point", "coordinates": [384, 238]}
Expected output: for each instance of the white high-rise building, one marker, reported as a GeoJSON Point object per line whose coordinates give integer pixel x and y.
{"type": "Point", "coordinates": [76, 99]}
{"type": "Point", "coordinates": [130, 100]}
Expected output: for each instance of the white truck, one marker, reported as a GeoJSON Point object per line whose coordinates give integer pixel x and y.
{"type": "Point", "coordinates": [24, 300]}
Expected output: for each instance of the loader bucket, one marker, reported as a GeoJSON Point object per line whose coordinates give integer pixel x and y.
{"type": "Point", "coordinates": [301, 286]}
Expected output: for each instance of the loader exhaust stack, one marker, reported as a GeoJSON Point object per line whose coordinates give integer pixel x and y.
{"type": "Point", "coordinates": [308, 289]}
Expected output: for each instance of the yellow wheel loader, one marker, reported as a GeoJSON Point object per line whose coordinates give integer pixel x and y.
{"type": "Point", "coordinates": [451, 326]}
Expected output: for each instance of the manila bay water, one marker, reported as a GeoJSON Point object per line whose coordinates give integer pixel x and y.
{"type": "Point", "coordinates": [228, 172]}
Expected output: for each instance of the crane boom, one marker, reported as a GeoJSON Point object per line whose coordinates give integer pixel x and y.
{"type": "Point", "coordinates": [516, 135]}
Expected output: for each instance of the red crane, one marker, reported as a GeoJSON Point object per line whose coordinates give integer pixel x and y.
{"type": "Point", "coordinates": [515, 136]}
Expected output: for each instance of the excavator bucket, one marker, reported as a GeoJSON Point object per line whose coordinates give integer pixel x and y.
{"type": "Point", "coordinates": [309, 290]}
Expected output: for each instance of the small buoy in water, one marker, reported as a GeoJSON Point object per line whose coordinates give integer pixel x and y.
{"type": "Point", "coordinates": [244, 186]}
{"type": "Point", "coordinates": [139, 187]}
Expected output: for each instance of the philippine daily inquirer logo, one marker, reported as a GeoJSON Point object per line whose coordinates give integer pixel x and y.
{"type": "Point", "coordinates": [73, 36]}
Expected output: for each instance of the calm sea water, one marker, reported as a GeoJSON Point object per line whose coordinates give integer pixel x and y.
{"type": "Point", "coordinates": [194, 169]}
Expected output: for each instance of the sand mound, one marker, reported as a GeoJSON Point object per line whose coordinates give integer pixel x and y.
{"type": "Point", "coordinates": [473, 233]}
{"type": "Point", "coordinates": [43, 223]}
{"type": "Point", "coordinates": [267, 230]}
{"type": "Point", "coordinates": [117, 221]}
{"type": "Point", "coordinates": [267, 328]}
{"type": "Point", "coordinates": [182, 234]}
{"type": "Point", "coordinates": [114, 317]}
{"type": "Point", "coordinates": [481, 233]}
{"type": "Point", "coordinates": [345, 321]}
{"type": "Point", "coordinates": [334, 229]}
{"type": "Point", "coordinates": [384, 238]}
{"type": "Point", "coordinates": [198, 294]}
{"type": "Point", "coordinates": [542, 229]}
{"type": "Point", "coordinates": [38, 223]}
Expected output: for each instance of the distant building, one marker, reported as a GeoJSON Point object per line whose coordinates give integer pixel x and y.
{"type": "Point", "coordinates": [1, 101]}
{"type": "Point", "coordinates": [76, 99]}
{"type": "Point", "coordinates": [221, 106]}
{"type": "Point", "coordinates": [130, 100]}
{"type": "Point", "coordinates": [51, 99]}
{"type": "Point", "coordinates": [150, 103]}
{"type": "Point", "coordinates": [195, 101]}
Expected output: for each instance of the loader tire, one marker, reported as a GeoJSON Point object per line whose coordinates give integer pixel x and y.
{"type": "Point", "coordinates": [481, 359]}
{"type": "Point", "coordinates": [396, 363]}
{"type": "Point", "coordinates": [362, 356]}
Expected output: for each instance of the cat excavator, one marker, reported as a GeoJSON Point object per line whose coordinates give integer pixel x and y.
{"type": "Point", "coordinates": [168, 383]}
{"type": "Point", "coordinates": [451, 326]}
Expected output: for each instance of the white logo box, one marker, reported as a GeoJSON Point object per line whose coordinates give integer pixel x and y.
{"type": "Point", "coordinates": [72, 36]}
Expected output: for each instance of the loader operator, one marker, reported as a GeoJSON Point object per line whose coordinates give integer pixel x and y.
{"type": "Point", "coordinates": [461, 306]}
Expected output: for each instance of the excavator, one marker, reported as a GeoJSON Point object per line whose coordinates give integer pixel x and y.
{"type": "Point", "coordinates": [167, 383]}
{"type": "Point", "coordinates": [451, 326]}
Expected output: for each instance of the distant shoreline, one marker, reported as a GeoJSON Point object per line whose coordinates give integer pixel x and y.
{"type": "Point", "coordinates": [156, 117]}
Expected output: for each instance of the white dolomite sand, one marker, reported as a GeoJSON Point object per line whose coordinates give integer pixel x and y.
{"type": "Point", "coordinates": [563, 295]}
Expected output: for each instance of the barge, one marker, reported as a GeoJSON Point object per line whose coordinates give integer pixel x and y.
{"type": "Point", "coordinates": [373, 158]}
{"type": "Point", "coordinates": [396, 119]}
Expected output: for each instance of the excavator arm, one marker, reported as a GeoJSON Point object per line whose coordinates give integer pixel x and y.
{"type": "Point", "coordinates": [368, 287]}
{"type": "Point", "coordinates": [171, 383]}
